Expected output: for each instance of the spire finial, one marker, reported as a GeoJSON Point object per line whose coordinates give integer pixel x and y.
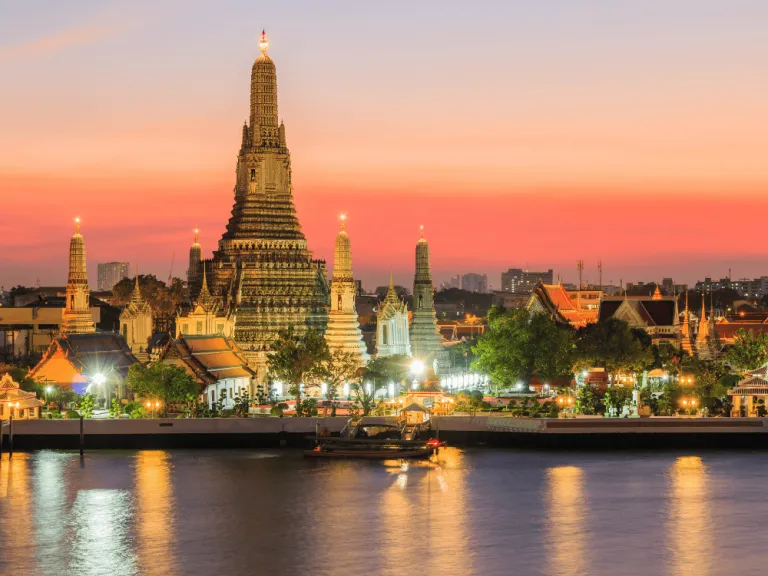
{"type": "Point", "coordinates": [343, 218]}
{"type": "Point", "coordinates": [197, 235]}
{"type": "Point", "coordinates": [263, 42]}
{"type": "Point", "coordinates": [391, 281]}
{"type": "Point", "coordinates": [77, 225]}
{"type": "Point", "coordinates": [421, 231]}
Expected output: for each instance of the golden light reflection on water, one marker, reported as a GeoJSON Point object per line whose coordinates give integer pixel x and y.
{"type": "Point", "coordinates": [424, 515]}
{"type": "Point", "coordinates": [689, 529]}
{"type": "Point", "coordinates": [15, 501]}
{"type": "Point", "coordinates": [566, 521]}
{"type": "Point", "coordinates": [154, 509]}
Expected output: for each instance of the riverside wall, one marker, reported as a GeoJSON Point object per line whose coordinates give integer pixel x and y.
{"type": "Point", "coordinates": [478, 430]}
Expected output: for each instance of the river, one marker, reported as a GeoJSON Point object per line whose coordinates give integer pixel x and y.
{"type": "Point", "coordinates": [473, 512]}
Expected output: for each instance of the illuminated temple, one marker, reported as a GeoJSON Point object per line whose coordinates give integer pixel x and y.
{"type": "Point", "coordinates": [263, 266]}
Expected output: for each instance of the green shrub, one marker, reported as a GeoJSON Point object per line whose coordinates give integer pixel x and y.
{"type": "Point", "coordinates": [130, 407]}
{"type": "Point", "coordinates": [72, 415]}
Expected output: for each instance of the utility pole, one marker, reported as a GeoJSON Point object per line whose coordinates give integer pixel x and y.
{"type": "Point", "coordinates": [580, 266]}
{"type": "Point", "coordinates": [600, 274]}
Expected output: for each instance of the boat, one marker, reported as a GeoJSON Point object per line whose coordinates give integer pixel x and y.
{"type": "Point", "coordinates": [324, 451]}
{"type": "Point", "coordinates": [373, 449]}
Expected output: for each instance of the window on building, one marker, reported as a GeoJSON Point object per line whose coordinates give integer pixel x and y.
{"type": "Point", "coordinates": [220, 328]}
{"type": "Point", "coordinates": [253, 174]}
{"type": "Point", "coordinates": [199, 327]}
{"type": "Point", "coordinates": [384, 334]}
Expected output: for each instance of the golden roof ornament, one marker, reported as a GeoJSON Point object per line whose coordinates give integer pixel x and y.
{"type": "Point", "coordinates": [263, 42]}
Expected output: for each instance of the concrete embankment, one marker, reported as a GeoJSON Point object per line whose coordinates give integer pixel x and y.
{"type": "Point", "coordinates": [604, 433]}
{"type": "Point", "coordinates": [167, 433]}
{"type": "Point", "coordinates": [478, 430]}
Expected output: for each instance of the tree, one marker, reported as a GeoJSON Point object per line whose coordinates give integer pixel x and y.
{"type": "Point", "coordinates": [610, 343]}
{"type": "Point", "coordinates": [163, 299]}
{"type": "Point", "coordinates": [298, 359]}
{"type": "Point", "coordinates": [85, 405]}
{"type": "Point", "coordinates": [166, 382]}
{"type": "Point", "coordinates": [711, 383]}
{"type": "Point", "coordinates": [519, 345]}
{"type": "Point", "coordinates": [342, 367]}
{"type": "Point", "coordinates": [365, 395]}
{"type": "Point", "coordinates": [616, 397]}
{"type": "Point", "coordinates": [749, 350]}
{"type": "Point", "coordinates": [589, 402]}
{"type": "Point", "coordinates": [383, 370]}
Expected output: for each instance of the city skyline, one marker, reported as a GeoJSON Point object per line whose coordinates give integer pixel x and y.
{"type": "Point", "coordinates": [653, 140]}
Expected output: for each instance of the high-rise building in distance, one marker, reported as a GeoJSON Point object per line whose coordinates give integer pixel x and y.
{"type": "Point", "coordinates": [519, 280]}
{"type": "Point", "coordinates": [473, 282]}
{"type": "Point", "coordinates": [110, 273]}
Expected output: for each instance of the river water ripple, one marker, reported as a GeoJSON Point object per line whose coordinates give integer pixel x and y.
{"type": "Point", "coordinates": [473, 512]}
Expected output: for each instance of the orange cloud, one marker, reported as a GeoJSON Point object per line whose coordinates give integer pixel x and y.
{"type": "Point", "coordinates": [74, 36]}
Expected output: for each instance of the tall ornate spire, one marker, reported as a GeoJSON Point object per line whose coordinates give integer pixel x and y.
{"type": "Point", "coordinates": [426, 341]}
{"type": "Point", "coordinates": [284, 285]}
{"type": "Point", "coordinates": [193, 271]}
{"type": "Point", "coordinates": [77, 318]}
{"type": "Point", "coordinates": [136, 294]}
{"type": "Point", "coordinates": [342, 261]}
{"type": "Point", "coordinates": [264, 125]}
{"type": "Point", "coordinates": [657, 294]}
{"type": "Point", "coordinates": [343, 332]}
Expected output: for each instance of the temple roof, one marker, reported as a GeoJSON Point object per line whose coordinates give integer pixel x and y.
{"type": "Point", "coordinates": [729, 330]}
{"type": "Point", "coordinates": [72, 355]}
{"type": "Point", "coordinates": [209, 358]}
{"type": "Point", "coordinates": [10, 392]}
{"type": "Point", "coordinates": [652, 312]}
{"type": "Point", "coordinates": [554, 299]}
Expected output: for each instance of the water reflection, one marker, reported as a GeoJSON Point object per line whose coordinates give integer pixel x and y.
{"type": "Point", "coordinates": [16, 530]}
{"type": "Point", "coordinates": [155, 515]}
{"type": "Point", "coordinates": [101, 533]}
{"type": "Point", "coordinates": [691, 543]}
{"type": "Point", "coordinates": [50, 507]}
{"type": "Point", "coordinates": [566, 523]}
{"type": "Point", "coordinates": [443, 491]}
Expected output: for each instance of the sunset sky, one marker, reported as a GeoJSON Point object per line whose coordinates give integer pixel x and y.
{"type": "Point", "coordinates": [518, 133]}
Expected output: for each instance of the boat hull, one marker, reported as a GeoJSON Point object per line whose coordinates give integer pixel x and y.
{"type": "Point", "coordinates": [371, 454]}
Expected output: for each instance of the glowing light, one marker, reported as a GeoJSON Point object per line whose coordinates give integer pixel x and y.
{"type": "Point", "coordinates": [263, 42]}
{"type": "Point", "coordinates": [417, 367]}
{"type": "Point", "coordinates": [99, 379]}
{"type": "Point", "coordinates": [346, 390]}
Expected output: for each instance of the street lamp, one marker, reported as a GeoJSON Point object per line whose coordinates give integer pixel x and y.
{"type": "Point", "coordinates": [100, 380]}
{"type": "Point", "coordinates": [417, 369]}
